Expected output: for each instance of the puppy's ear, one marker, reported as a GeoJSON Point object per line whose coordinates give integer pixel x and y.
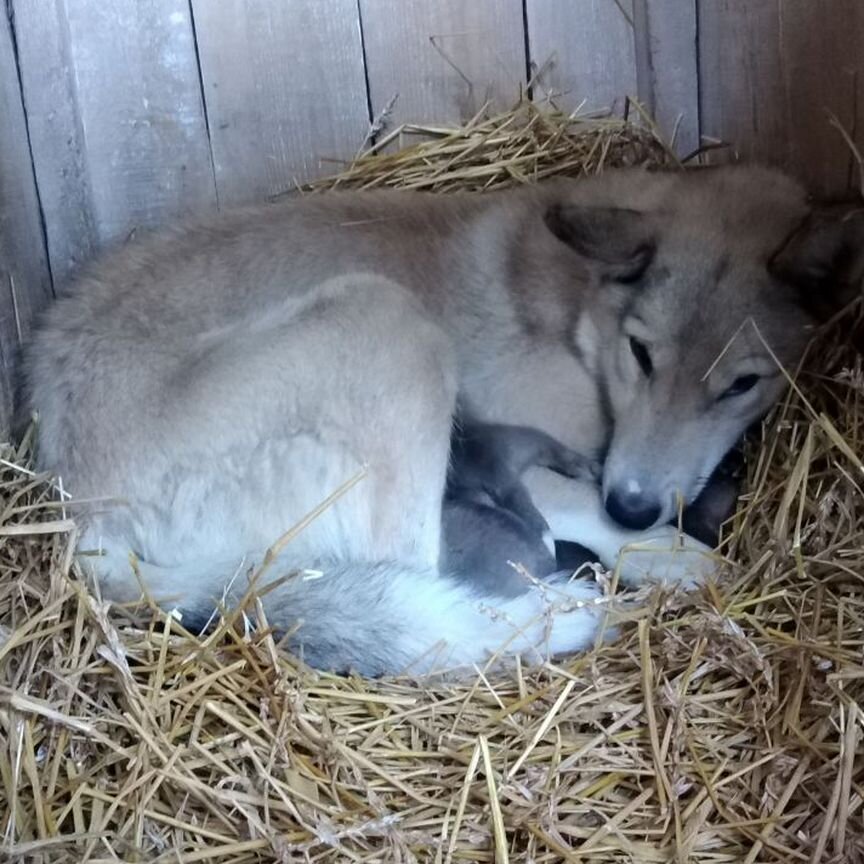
{"type": "Point", "coordinates": [823, 259]}
{"type": "Point", "coordinates": [617, 239]}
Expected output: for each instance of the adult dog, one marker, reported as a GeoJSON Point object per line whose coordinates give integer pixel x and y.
{"type": "Point", "coordinates": [212, 385]}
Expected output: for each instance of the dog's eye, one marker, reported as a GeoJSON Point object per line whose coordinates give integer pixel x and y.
{"type": "Point", "coordinates": [643, 358]}
{"type": "Point", "coordinates": [740, 385]}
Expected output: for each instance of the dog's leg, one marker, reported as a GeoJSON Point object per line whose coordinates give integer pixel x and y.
{"type": "Point", "coordinates": [575, 512]}
{"type": "Point", "coordinates": [561, 459]}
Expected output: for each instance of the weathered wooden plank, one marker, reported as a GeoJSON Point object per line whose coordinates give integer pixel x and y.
{"type": "Point", "coordinates": [116, 118]}
{"type": "Point", "coordinates": [770, 74]}
{"type": "Point", "coordinates": [57, 137]}
{"type": "Point", "coordinates": [443, 61]}
{"type": "Point", "coordinates": [742, 93]}
{"type": "Point", "coordinates": [25, 284]}
{"type": "Point", "coordinates": [586, 51]}
{"type": "Point", "coordinates": [667, 68]}
{"type": "Point", "coordinates": [285, 89]}
{"type": "Point", "coordinates": [823, 75]}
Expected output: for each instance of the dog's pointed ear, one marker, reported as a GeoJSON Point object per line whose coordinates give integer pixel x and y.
{"type": "Point", "coordinates": [823, 259]}
{"type": "Point", "coordinates": [619, 240]}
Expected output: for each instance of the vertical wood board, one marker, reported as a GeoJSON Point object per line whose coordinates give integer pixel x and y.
{"type": "Point", "coordinates": [56, 133]}
{"type": "Point", "coordinates": [822, 45]}
{"type": "Point", "coordinates": [668, 68]}
{"type": "Point", "coordinates": [743, 99]}
{"type": "Point", "coordinates": [25, 283]}
{"type": "Point", "coordinates": [285, 90]}
{"type": "Point", "coordinates": [443, 61]}
{"type": "Point", "coordinates": [770, 74]}
{"type": "Point", "coordinates": [586, 51]}
{"type": "Point", "coordinates": [117, 120]}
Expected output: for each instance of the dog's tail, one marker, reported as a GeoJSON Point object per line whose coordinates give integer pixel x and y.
{"type": "Point", "coordinates": [378, 618]}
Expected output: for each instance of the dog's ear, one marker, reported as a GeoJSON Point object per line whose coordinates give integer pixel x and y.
{"type": "Point", "coordinates": [616, 238]}
{"type": "Point", "coordinates": [824, 259]}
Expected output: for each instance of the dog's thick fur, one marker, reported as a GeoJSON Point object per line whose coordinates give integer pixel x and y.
{"type": "Point", "coordinates": [213, 385]}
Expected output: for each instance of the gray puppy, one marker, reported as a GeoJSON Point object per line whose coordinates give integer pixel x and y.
{"type": "Point", "coordinates": [489, 519]}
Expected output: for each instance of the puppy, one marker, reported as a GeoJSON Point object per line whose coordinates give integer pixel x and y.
{"type": "Point", "coordinates": [489, 521]}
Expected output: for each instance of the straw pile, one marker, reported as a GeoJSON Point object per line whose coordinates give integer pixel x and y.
{"type": "Point", "coordinates": [523, 145]}
{"type": "Point", "coordinates": [722, 727]}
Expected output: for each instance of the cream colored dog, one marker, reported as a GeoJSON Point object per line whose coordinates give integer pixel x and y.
{"type": "Point", "coordinates": [214, 384]}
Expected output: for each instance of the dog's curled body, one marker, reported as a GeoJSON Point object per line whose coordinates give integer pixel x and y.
{"type": "Point", "coordinates": [212, 385]}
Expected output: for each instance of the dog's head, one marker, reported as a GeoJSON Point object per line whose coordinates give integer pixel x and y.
{"type": "Point", "coordinates": [710, 283]}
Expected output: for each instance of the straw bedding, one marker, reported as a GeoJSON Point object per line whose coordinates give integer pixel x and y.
{"type": "Point", "coordinates": [724, 726]}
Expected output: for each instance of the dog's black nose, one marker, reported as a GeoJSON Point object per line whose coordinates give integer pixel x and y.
{"type": "Point", "coordinates": [632, 509]}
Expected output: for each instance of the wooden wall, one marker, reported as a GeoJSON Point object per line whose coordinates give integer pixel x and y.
{"type": "Point", "coordinates": [131, 112]}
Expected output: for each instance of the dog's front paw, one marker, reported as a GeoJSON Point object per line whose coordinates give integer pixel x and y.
{"type": "Point", "coordinates": [665, 555]}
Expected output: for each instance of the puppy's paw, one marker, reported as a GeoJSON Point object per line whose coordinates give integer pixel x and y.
{"type": "Point", "coordinates": [579, 467]}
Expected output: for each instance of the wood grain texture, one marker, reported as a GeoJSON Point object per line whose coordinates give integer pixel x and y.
{"type": "Point", "coordinates": [770, 74]}
{"type": "Point", "coordinates": [742, 93]}
{"type": "Point", "coordinates": [668, 67]}
{"type": "Point", "coordinates": [57, 135]}
{"type": "Point", "coordinates": [443, 60]}
{"type": "Point", "coordinates": [285, 89]}
{"type": "Point", "coordinates": [117, 121]}
{"type": "Point", "coordinates": [823, 74]}
{"type": "Point", "coordinates": [586, 49]}
{"type": "Point", "coordinates": [25, 283]}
